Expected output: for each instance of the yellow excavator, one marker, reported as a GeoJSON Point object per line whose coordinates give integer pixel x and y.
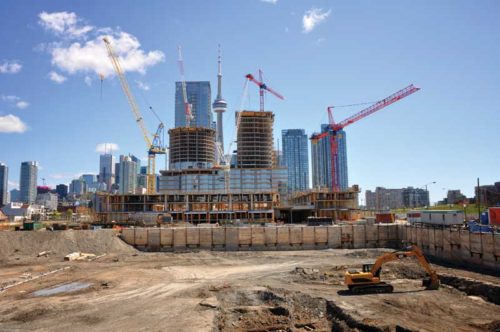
{"type": "Point", "coordinates": [368, 281]}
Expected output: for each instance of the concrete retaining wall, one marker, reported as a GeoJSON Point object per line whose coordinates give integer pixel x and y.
{"type": "Point", "coordinates": [456, 245]}
{"type": "Point", "coordinates": [262, 238]}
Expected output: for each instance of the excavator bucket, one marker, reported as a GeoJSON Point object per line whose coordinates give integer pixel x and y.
{"type": "Point", "coordinates": [430, 283]}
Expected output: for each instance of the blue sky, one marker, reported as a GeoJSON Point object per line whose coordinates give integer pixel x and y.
{"type": "Point", "coordinates": [347, 52]}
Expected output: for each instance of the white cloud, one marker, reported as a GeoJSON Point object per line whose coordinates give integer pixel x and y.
{"type": "Point", "coordinates": [92, 56]}
{"type": "Point", "coordinates": [65, 24]}
{"type": "Point", "coordinates": [58, 78]}
{"type": "Point", "coordinates": [10, 99]}
{"type": "Point", "coordinates": [12, 124]}
{"type": "Point", "coordinates": [106, 147]}
{"type": "Point", "coordinates": [270, 1]}
{"type": "Point", "coordinates": [88, 80]}
{"type": "Point", "coordinates": [15, 101]}
{"type": "Point", "coordinates": [10, 67]}
{"type": "Point", "coordinates": [22, 104]}
{"type": "Point", "coordinates": [313, 17]}
{"type": "Point", "coordinates": [143, 86]}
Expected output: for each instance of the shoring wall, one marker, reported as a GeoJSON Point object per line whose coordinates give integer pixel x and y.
{"type": "Point", "coordinates": [452, 245]}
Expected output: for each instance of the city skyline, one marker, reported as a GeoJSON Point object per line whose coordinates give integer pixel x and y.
{"type": "Point", "coordinates": [414, 152]}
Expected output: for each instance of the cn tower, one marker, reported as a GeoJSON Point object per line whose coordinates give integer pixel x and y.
{"type": "Point", "coordinates": [219, 106]}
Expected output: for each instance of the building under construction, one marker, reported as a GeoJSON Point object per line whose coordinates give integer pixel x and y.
{"type": "Point", "coordinates": [255, 139]}
{"type": "Point", "coordinates": [192, 147]}
{"type": "Point", "coordinates": [199, 187]}
{"type": "Point", "coordinates": [324, 203]}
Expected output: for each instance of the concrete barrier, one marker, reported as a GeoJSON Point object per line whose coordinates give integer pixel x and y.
{"type": "Point", "coordinates": [283, 237]}
{"type": "Point", "coordinates": [166, 238]}
{"type": "Point", "coordinates": [232, 238]}
{"type": "Point", "coordinates": [218, 237]}
{"type": "Point", "coordinates": [258, 238]}
{"type": "Point", "coordinates": [180, 238]}
{"type": "Point", "coordinates": [206, 238]}
{"type": "Point", "coordinates": [308, 241]}
{"type": "Point", "coordinates": [334, 237]}
{"type": "Point", "coordinates": [193, 237]}
{"type": "Point", "coordinates": [271, 237]}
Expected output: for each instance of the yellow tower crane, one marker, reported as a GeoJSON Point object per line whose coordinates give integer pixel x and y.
{"type": "Point", "coordinates": [155, 145]}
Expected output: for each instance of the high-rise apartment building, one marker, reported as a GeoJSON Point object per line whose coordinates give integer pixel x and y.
{"type": "Point", "coordinates": [4, 183]}
{"type": "Point", "coordinates": [107, 170]}
{"type": "Point", "coordinates": [321, 161]}
{"type": "Point", "coordinates": [89, 179]}
{"type": "Point", "coordinates": [199, 95]}
{"type": "Point", "coordinates": [295, 158]}
{"type": "Point", "coordinates": [62, 191]}
{"type": "Point", "coordinates": [77, 187]}
{"type": "Point", "coordinates": [128, 175]}
{"type": "Point", "coordinates": [28, 181]}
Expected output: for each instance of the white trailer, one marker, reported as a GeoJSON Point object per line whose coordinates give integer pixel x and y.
{"type": "Point", "coordinates": [442, 217]}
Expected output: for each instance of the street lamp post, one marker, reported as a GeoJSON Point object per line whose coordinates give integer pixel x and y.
{"type": "Point", "coordinates": [427, 191]}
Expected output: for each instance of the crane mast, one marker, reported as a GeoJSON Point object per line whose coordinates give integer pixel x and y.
{"type": "Point", "coordinates": [155, 146]}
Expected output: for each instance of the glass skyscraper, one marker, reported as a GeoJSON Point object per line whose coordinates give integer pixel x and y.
{"type": "Point", "coordinates": [28, 181]}
{"type": "Point", "coordinates": [4, 182]}
{"type": "Point", "coordinates": [295, 158]}
{"type": "Point", "coordinates": [199, 95]}
{"type": "Point", "coordinates": [321, 161]}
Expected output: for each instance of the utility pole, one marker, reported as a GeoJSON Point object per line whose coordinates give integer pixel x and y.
{"type": "Point", "coordinates": [478, 201]}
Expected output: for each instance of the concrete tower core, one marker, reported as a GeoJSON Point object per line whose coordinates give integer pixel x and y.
{"type": "Point", "coordinates": [219, 106]}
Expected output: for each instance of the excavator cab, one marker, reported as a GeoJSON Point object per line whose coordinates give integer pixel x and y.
{"type": "Point", "coordinates": [367, 267]}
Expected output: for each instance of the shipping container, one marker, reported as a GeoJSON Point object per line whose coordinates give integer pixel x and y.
{"type": "Point", "coordinates": [494, 216]}
{"type": "Point", "coordinates": [384, 218]}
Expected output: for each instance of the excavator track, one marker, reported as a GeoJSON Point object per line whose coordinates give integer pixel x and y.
{"type": "Point", "coordinates": [371, 289]}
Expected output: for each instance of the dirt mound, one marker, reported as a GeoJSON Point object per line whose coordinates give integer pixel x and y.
{"type": "Point", "coordinates": [271, 310]}
{"type": "Point", "coordinates": [61, 242]}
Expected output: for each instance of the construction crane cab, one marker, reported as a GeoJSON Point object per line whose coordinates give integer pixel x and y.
{"type": "Point", "coordinates": [368, 280]}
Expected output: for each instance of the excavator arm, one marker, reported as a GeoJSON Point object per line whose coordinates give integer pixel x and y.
{"type": "Point", "coordinates": [367, 281]}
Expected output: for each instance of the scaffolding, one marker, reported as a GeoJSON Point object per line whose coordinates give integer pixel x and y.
{"type": "Point", "coordinates": [255, 139]}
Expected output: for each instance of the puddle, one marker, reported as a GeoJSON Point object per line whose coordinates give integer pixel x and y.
{"type": "Point", "coordinates": [64, 288]}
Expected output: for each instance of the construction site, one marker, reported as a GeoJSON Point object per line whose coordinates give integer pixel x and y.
{"type": "Point", "coordinates": [195, 289]}
{"type": "Point", "coordinates": [219, 242]}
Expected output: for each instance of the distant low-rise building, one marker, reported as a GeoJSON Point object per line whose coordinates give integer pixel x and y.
{"type": "Point", "coordinates": [15, 195]}
{"type": "Point", "coordinates": [17, 211]}
{"type": "Point", "coordinates": [454, 197]}
{"type": "Point", "coordinates": [488, 195]}
{"type": "Point", "coordinates": [387, 199]}
{"type": "Point", "coordinates": [48, 200]}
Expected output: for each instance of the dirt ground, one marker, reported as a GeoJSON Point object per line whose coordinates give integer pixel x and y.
{"type": "Point", "coordinates": [127, 290]}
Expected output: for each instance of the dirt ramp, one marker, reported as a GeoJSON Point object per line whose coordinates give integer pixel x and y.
{"type": "Point", "coordinates": [61, 242]}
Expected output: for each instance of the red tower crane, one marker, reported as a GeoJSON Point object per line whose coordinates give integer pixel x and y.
{"type": "Point", "coordinates": [263, 87]}
{"type": "Point", "coordinates": [333, 127]}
